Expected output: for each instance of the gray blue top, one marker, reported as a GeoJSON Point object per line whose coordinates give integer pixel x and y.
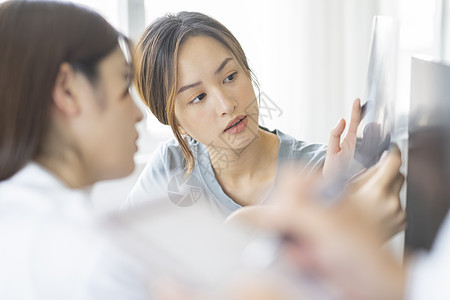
{"type": "Point", "coordinates": [163, 178]}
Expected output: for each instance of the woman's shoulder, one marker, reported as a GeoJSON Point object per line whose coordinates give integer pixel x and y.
{"type": "Point", "coordinates": [167, 159]}
{"type": "Point", "coordinates": [171, 152]}
{"type": "Point", "coordinates": [298, 146]}
{"type": "Point", "coordinates": [291, 149]}
{"type": "Point", "coordinates": [166, 165]}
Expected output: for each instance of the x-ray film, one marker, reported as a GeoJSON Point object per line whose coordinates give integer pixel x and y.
{"type": "Point", "coordinates": [377, 124]}
{"type": "Point", "coordinates": [377, 115]}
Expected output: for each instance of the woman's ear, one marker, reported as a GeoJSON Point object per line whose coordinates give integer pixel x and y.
{"type": "Point", "coordinates": [64, 91]}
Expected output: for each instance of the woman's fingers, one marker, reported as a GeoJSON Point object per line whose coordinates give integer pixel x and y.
{"type": "Point", "coordinates": [355, 119]}
{"type": "Point", "coordinates": [334, 142]}
{"type": "Point", "coordinates": [340, 151]}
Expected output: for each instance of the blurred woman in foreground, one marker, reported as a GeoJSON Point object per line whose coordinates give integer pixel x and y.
{"type": "Point", "coordinates": [67, 120]}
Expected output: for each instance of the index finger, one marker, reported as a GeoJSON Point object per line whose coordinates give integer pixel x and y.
{"type": "Point", "coordinates": [355, 119]}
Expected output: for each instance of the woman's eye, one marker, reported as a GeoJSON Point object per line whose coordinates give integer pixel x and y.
{"type": "Point", "coordinates": [198, 98]}
{"type": "Point", "coordinates": [231, 77]}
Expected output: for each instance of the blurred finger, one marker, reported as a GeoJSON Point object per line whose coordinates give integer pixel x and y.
{"type": "Point", "coordinates": [390, 167]}
{"type": "Point", "coordinates": [398, 183]}
{"type": "Point", "coordinates": [387, 169]}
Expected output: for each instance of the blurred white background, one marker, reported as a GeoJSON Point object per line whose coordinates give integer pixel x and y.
{"type": "Point", "coordinates": [310, 56]}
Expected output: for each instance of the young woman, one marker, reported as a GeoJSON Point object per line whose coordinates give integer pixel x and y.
{"type": "Point", "coordinates": [194, 76]}
{"type": "Point", "coordinates": [67, 121]}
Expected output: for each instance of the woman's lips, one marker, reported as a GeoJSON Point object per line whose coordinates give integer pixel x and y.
{"type": "Point", "coordinates": [237, 125]}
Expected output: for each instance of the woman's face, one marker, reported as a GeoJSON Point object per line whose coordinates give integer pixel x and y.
{"type": "Point", "coordinates": [108, 135]}
{"type": "Point", "coordinates": [215, 103]}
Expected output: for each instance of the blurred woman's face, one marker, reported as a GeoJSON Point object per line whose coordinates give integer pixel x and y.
{"type": "Point", "coordinates": [108, 134]}
{"type": "Point", "coordinates": [215, 103]}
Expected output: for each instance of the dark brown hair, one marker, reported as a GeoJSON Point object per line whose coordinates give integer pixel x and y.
{"type": "Point", "coordinates": [156, 63]}
{"type": "Point", "coordinates": [36, 37]}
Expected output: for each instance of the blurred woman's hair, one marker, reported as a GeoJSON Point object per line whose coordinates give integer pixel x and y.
{"type": "Point", "coordinates": [156, 64]}
{"type": "Point", "coordinates": [36, 37]}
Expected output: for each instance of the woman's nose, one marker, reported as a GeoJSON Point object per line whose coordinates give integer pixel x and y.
{"type": "Point", "coordinates": [225, 104]}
